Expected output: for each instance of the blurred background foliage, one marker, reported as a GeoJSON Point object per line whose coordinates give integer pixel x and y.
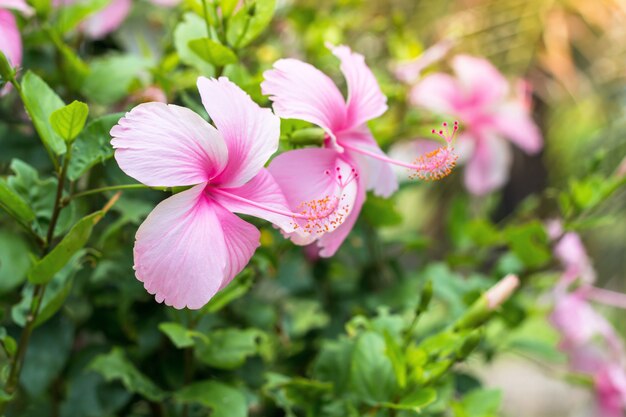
{"type": "Point", "coordinates": [294, 335]}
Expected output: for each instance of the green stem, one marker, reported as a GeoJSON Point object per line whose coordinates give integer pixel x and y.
{"type": "Point", "coordinates": [104, 189]}
{"type": "Point", "coordinates": [38, 290]}
{"type": "Point", "coordinates": [205, 9]}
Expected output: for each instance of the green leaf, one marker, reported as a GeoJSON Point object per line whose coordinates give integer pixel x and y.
{"type": "Point", "coordinates": [15, 205]}
{"type": "Point", "coordinates": [530, 243]}
{"type": "Point", "coordinates": [92, 146]}
{"type": "Point", "coordinates": [8, 343]}
{"type": "Point", "coordinates": [39, 194]}
{"type": "Point", "coordinates": [70, 15]}
{"type": "Point", "coordinates": [379, 212]}
{"type": "Point", "coordinates": [237, 288]}
{"type": "Point", "coordinates": [228, 7]}
{"type": "Point", "coordinates": [223, 400]}
{"type": "Point", "coordinates": [54, 297]}
{"type": "Point", "coordinates": [191, 27]}
{"type": "Point", "coordinates": [14, 261]}
{"type": "Point", "coordinates": [371, 375]}
{"type": "Point", "coordinates": [69, 121]}
{"type": "Point", "coordinates": [212, 52]}
{"type": "Point", "coordinates": [229, 348]}
{"type": "Point", "coordinates": [395, 355]}
{"type": "Point", "coordinates": [115, 366]}
{"type": "Point", "coordinates": [249, 22]}
{"type": "Point", "coordinates": [43, 271]}
{"type": "Point", "coordinates": [40, 102]}
{"type": "Point", "coordinates": [111, 77]}
{"type": "Point", "coordinates": [479, 403]}
{"type": "Point", "coordinates": [180, 336]}
{"type": "Point", "coordinates": [414, 401]}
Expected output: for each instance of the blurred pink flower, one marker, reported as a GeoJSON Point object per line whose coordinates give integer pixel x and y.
{"type": "Point", "coordinates": [610, 384]}
{"type": "Point", "coordinates": [192, 245]}
{"type": "Point", "coordinates": [148, 94]}
{"type": "Point", "coordinates": [10, 39]}
{"type": "Point", "coordinates": [479, 97]}
{"type": "Point", "coordinates": [102, 22]}
{"type": "Point", "coordinates": [411, 71]}
{"type": "Point", "coordinates": [299, 90]}
{"type": "Point", "coordinates": [571, 252]}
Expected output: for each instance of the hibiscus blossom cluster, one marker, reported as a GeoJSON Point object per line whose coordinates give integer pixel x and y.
{"type": "Point", "coordinates": [192, 245]}
{"type": "Point", "coordinates": [590, 342]}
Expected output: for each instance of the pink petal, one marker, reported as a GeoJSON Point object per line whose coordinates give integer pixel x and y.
{"type": "Point", "coordinates": [437, 92]}
{"type": "Point", "coordinates": [488, 167]}
{"type": "Point", "coordinates": [482, 83]}
{"type": "Point", "coordinates": [10, 42]}
{"type": "Point", "coordinates": [365, 100]}
{"type": "Point", "coordinates": [107, 20]}
{"type": "Point", "coordinates": [168, 145]}
{"type": "Point", "coordinates": [572, 254]}
{"type": "Point", "coordinates": [180, 252]}
{"type": "Point", "coordinates": [301, 91]}
{"type": "Point", "coordinates": [306, 175]}
{"type": "Point", "coordinates": [514, 122]}
{"type": "Point", "coordinates": [19, 5]}
{"type": "Point", "coordinates": [262, 190]}
{"type": "Point", "coordinates": [250, 132]}
{"type": "Point", "coordinates": [241, 240]}
{"type": "Point", "coordinates": [377, 175]}
{"type": "Point", "coordinates": [410, 71]}
{"type": "Point", "coordinates": [330, 242]}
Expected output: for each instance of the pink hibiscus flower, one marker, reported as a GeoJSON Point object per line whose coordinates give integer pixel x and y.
{"type": "Point", "coordinates": [10, 39]}
{"type": "Point", "coordinates": [103, 22]}
{"type": "Point", "coordinates": [479, 98]}
{"type": "Point", "coordinates": [192, 245]}
{"type": "Point", "coordinates": [299, 90]}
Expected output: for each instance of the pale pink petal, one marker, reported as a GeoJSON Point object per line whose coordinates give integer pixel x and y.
{"type": "Point", "coordinates": [107, 20]}
{"type": "Point", "coordinates": [10, 42]}
{"type": "Point", "coordinates": [488, 167]}
{"type": "Point", "coordinates": [437, 92]}
{"type": "Point", "coordinates": [167, 145]}
{"type": "Point", "coordinates": [307, 175]}
{"type": "Point", "coordinates": [250, 132]}
{"type": "Point", "coordinates": [482, 83]}
{"type": "Point", "coordinates": [377, 175]}
{"type": "Point", "coordinates": [571, 252]}
{"type": "Point", "coordinates": [410, 71]}
{"type": "Point", "coordinates": [180, 252]}
{"type": "Point", "coordinates": [514, 122]}
{"type": "Point", "coordinates": [241, 240]}
{"type": "Point", "coordinates": [365, 100]}
{"type": "Point", "coordinates": [18, 5]}
{"type": "Point", "coordinates": [611, 390]}
{"type": "Point", "coordinates": [263, 192]}
{"type": "Point", "coordinates": [329, 243]}
{"type": "Point", "coordinates": [301, 91]}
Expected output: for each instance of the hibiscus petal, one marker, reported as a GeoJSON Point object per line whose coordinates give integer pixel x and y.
{"type": "Point", "coordinates": [250, 132]}
{"type": "Point", "coordinates": [310, 175]}
{"type": "Point", "coordinates": [19, 5]}
{"type": "Point", "coordinates": [365, 100]}
{"type": "Point", "coordinates": [107, 20]}
{"type": "Point", "coordinates": [514, 122]}
{"type": "Point", "coordinates": [301, 91]}
{"type": "Point", "coordinates": [488, 167]}
{"type": "Point", "coordinates": [241, 240]}
{"type": "Point", "coordinates": [330, 242]}
{"type": "Point", "coordinates": [378, 176]}
{"type": "Point", "coordinates": [167, 145]}
{"type": "Point", "coordinates": [261, 191]}
{"type": "Point", "coordinates": [437, 92]}
{"type": "Point", "coordinates": [482, 82]}
{"type": "Point", "coordinates": [180, 253]}
{"type": "Point", "coordinates": [10, 42]}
